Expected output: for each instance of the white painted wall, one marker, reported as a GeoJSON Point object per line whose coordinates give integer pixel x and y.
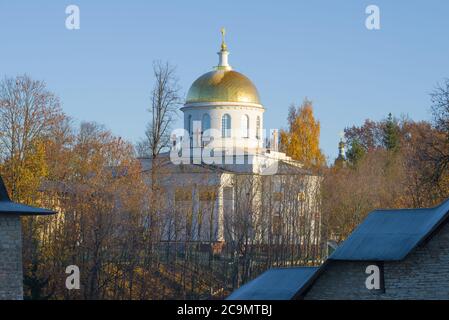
{"type": "Point", "coordinates": [217, 110]}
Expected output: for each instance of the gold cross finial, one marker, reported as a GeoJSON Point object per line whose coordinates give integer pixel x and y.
{"type": "Point", "coordinates": [223, 44]}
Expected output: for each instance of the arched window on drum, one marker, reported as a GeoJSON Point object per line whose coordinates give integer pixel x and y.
{"type": "Point", "coordinates": [226, 126]}
{"type": "Point", "coordinates": [205, 125]}
{"type": "Point", "coordinates": [189, 125]}
{"type": "Point", "coordinates": [190, 130]}
{"type": "Point", "coordinates": [245, 126]}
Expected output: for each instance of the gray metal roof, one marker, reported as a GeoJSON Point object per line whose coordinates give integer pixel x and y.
{"type": "Point", "coordinates": [9, 207]}
{"type": "Point", "coordinates": [274, 284]}
{"type": "Point", "coordinates": [389, 235]}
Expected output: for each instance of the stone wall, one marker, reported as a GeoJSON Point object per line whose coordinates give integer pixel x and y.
{"type": "Point", "coordinates": [11, 278]}
{"type": "Point", "coordinates": [423, 274]}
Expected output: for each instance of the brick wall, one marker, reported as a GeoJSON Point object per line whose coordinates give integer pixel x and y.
{"type": "Point", "coordinates": [10, 257]}
{"type": "Point", "coordinates": [424, 274]}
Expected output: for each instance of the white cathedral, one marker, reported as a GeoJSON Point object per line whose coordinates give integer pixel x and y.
{"type": "Point", "coordinates": [223, 171]}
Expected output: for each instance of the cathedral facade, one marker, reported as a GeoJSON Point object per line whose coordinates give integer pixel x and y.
{"type": "Point", "coordinates": [224, 179]}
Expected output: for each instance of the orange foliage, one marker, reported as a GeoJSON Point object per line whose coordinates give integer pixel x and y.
{"type": "Point", "coordinates": [302, 140]}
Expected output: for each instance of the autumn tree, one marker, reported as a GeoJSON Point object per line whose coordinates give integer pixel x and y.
{"type": "Point", "coordinates": [301, 140]}
{"type": "Point", "coordinates": [371, 136]}
{"type": "Point", "coordinates": [440, 106]}
{"type": "Point", "coordinates": [367, 136]}
{"type": "Point", "coordinates": [100, 197]}
{"type": "Point", "coordinates": [422, 146]}
{"type": "Point", "coordinates": [411, 176]}
{"type": "Point", "coordinates": [440, 111]}
{"type": "Point", "coordinates": [350, 193]}
{"type": "Point", "coordinates": [28, 112]}
{"type": "Point", "coordinates": [165, 100]}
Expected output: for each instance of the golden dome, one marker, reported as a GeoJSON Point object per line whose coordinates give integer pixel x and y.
{"type": "Point", "coordinates": [223, 86]}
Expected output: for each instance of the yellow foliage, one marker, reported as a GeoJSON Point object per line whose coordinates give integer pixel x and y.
{"type": "Point", "coordinates": [302, 140]}
{"type": "Point", "coordinates": [24, 174]}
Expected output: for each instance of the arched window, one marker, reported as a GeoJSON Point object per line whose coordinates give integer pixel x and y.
{"type": "Point", "coordinates": [258, 128]}
{"type": "Point", "coordinates": [245, 126]}
{"type": "Point", "coordinates": [226, 126]}
{"type": "Point", "coordinates": [205, 124]}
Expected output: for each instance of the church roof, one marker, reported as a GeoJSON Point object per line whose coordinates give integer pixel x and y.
{"type": "Point", "coordinates": [291, 167]}
{"type": "Point", "coordinates": [166, 166]}
{"type": "Point", "coordinates": [274, 284]}
{"type": "Point", "coordinates": [223, 86]}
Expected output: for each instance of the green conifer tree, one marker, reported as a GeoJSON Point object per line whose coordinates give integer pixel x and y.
{"type": "Point", "coordinates": [391, 134]}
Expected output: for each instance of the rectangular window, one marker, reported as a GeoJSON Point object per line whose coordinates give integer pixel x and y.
{"type": "Point", "coordinates": [183, 194]}
{"type": "Point", "coordinates": [277, 196]}
{"type": "Point", "coordinates": [208, 195]}
{"type": "Point", "coordinates": [258, 128]}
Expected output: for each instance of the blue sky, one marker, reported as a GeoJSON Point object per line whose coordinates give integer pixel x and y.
{"type": "Point", "coordinates": [289, 49]}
